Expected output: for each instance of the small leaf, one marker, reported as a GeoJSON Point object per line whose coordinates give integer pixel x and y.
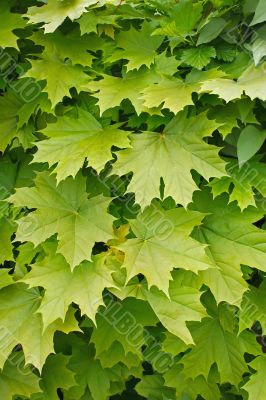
{"type": "Point", "coordinates": [260, 14]}
{"type": "Point", "coordinates": [250, 141]}
{"type": "Point", "coordinates": [198, 57]}
{"type": "Point", "coordinates": [211, 30]}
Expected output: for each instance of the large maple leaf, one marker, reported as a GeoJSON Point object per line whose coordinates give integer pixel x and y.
{"type": "Point", "coordinates": [21, 324]}
{"type": "Point", "coordinates": [171, 155]}
{"type": "Point", "coordinates": [139, 47]}
{"type": "Point", "coordinates": [111, 90]}
{"type": "Point", "coordinates": [83, 286]}
{"type": "Point", "coordinates": [182, 305]}
{"type": "Point", "coordinates": [174, 94]}
{"type": "Point", "coordinates": [72, 46]}
{"type": "Point", "coordinates": [232, 241]}
{"type": "Point", "coordinates": [76, 136]}
{"type": "Point", "coordinates": [162, 243]}
{"type": "Point", "coordinates": [49, 68]}
{"type": "Point", "coordinates": [65, 210]}
{"type": "Point", "coordinates": [55, 12]}
{"type": "Point", "coordinates": [215, 345]}
{"type": "Point", "coordinates": [252, 82]}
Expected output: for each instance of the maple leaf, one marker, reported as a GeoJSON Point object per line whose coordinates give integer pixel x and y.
{"type": "Point", "coordinates": [111, 327]}
{"type": "Point", "coordinates": [12, 378]}
{"type": "Point", "coordinates": [76, 136]}
{"type": "Point", "coordinates": [20, 324]}
{"type": "Point", "coordinates": [9, 22]}
{"type": "Point", "coordinates": [89, 372]}
{"type": "Point", "coordinates": [175, 94]}
{"type": "Point", "coordinates": [10, 104]}
{"type": "Point", "coordinates": [171, 155]}
{"type": "Point", "coordinates": [184, 17]}
{"type": "Point", "coordinates": [56, 374]}
{"type": "Point", "coordinates": [152, 386]}
{"type": "Point", "coordinates": [232, 240]}
{"type": "Point", "coordinates": [83, 286]}
{"type": "Point", "coordinates": [214, 345]}
{"type": "Point", "coordinates": [182, 305]}
{"type": "Point", "coordinates": [89, 21]}
{"type": "Point", "coordinates": [55, 12]}
{"type": "Point", "coordinates": [162, 242]}
{"type": "Point", "coordinates": [166, 66]}
{"type": "Point", "coordinates": [49, 68]}
{"type": "Point", "coordinates": [65, 210]}
{"type": "Point", "coordinates": [253, 308]}
{"type": "Point", "coordinates": [184, 386]}
{"type": "Point", "coordinates": [112, 90]}
{"type": "Point", "coordinates": [198, 57]}
{"type": "Point", "coordinates": [70, 46]}
{"type": "Point", "coordinates": [256, 386]}
{"type": "Point", "coordinates": [251, 82]}
{"type": "Point", "coordinates": [6, 279]}
{"type": "Point", "coordinates": [245, 180]}
{"type": "Point", "coordinates": [116, 354]}
{"type": "Point", "coordinates": [173, 345]}
{"type": "Point", "coordinates": [139, 47]}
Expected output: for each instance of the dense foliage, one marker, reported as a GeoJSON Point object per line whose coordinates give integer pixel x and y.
{"type": "Point", "coordinates": [132, 193]}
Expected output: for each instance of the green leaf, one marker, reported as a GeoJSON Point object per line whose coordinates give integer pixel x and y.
{"type": "Point", "coordinates": [70, 46]}
{"type": "Point", "coordinates": [122, 322]}
{"type": "Point", "coordinates": [9, 22]}
{"type": "Point", "coordinates": [112, 90]}
{"type": "Point", "coordinates": [89, 372]}
{"type": "Point", "coordinates": [256, 385]}
{"type": "Point", "coordinates": [253, 308]}
{"type": "Point", "coordinates": [7, 228]}
{"type": "Point", "coordinates": [246, 180]}
{"type": "Point", "coordinates": [132, 199]}
{"type": "Point", "coordinates": [250, 141]}
{"type": "Point", "coordinates": [21, 325]}
{"type": "Point", "coordinates": [152, 387]}
{"type": "Point", "coordinates": [62, 287]}
{"type": "Point", "coordinates": [162, 242]}
{"type": "Point", "coordinates": [187, 388]}
{"type": "Point", "coordinates": [211, 30]}
{"type": "Point", "coordinates": [171, 155]}
{"type": "Point", "coordinates": [251, 82]}
{"type": "Point", "coordinates": [214, 345]}
{"type": "Point", "coordinates": [10, 104]}
{"type": "Point", "coordinates": [172, 93]}
{"type": "Point", "coordinates": [260, 14]}
{"type": "Point", "coordinates": [65, 210]}
{"type": "Point", "coordinates": [233, 240]}
{"type": "Point", "coordinates": [258, 50]}
{"type": "Point", "coordinates": [198, 57]}
{"type": "Point", "coordinates": [49, 68]}
{"type": "Point", "coordinates": [182, 305]}
{"type": "Point", "coordinates": [17, 379]}
{"type": "Point", "coordinates": [54, 13]}
{"type": "Point", "coordinates": [137, 46]}
{"type": "Point", "coordinates": [89, 21]}
{"type": "Point", "coordinates": [182, 27]}
{"type": "Point", "coordinates": [55, 375]}
{"type": "Point", "coordinates": [173, 345]}
{"type": "Point", "coordinates": [76, 137]}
